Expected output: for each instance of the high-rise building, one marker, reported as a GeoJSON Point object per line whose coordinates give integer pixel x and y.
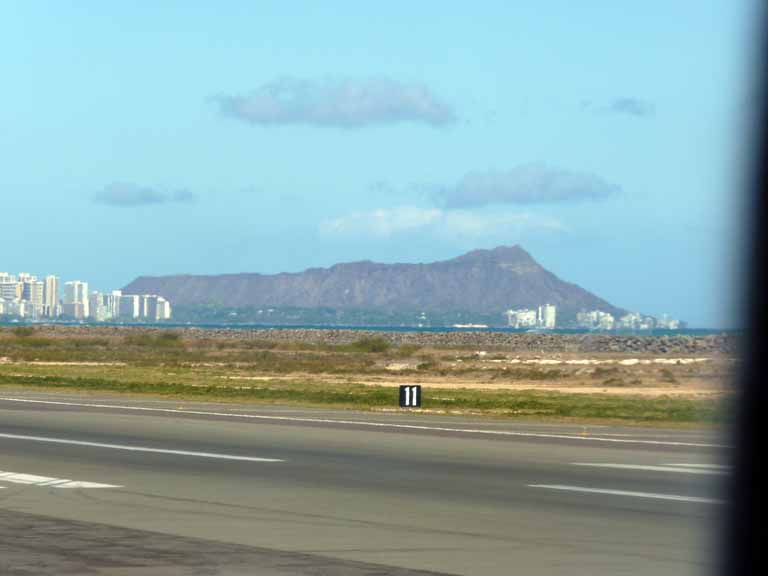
{"type": "Point", "coordinates": [10, 290]}
{"type": "Point", "coordinates": [595, 319]}
{"type": "Point", "coordinates": [523, 318]}
{"type": "Point", "coordinates": [163, 309]}
{"type": "Point", "coordinates": [96, 307]}
{"type": "Point", "coordinates": [547, 316]}
{"type": "Point", "coordinates": [144, 306]}
{"type": "Point", "coordinates": [16, 307]}
{"type": "Point", "coordinates": [76, 292]}
{"type": "Point", "coordinates": [32, 292]}
{"type": "Point", "coordinates": [51, 296]}
{"type": "Point", "coordinates": [150, 312]}
{"type": "Point", "coordinates": [635, 321]}
{"type": "Point", "coordinates": [74, 310]}
{"type": "Point", "coordinates": [155, 307]}
{"type": "Point", "coordinates": [667, 323]}
{"type": "Point", "coordinates": [129, 306]}
{"type": "Point", "coordinates": [103, 307]}
{"type": "Point", "coordinates": [149, 307]}
{"type": "Point", "coordinates": [113, 303]}
{"type": "Point", "coordinates": [10, 287]}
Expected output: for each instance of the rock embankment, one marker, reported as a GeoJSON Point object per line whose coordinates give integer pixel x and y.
{"type": "Point", "coordinates": [724, 343]}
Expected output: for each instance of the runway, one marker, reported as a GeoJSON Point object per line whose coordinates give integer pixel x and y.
{"type": "Point", "coordinates": [118, 485]}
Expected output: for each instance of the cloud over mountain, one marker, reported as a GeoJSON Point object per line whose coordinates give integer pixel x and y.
{"type": "Point", "coordinates": [344, 103]}
{"type": "Point", "coordinates": [385, 222]}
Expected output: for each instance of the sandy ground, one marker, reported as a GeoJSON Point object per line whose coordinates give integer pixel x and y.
{"type": "Point", "coordinates": [452, 384]}
{"type": "Point", "coordinates": [687, 377]}
{"type": "Point", "coordinates": [615, 373]}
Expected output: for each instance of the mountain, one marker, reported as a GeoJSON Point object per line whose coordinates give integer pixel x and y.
{"type": "Point", "coordinates": [481, 281]}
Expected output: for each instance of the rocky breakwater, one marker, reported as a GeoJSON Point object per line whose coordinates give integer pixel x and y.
{"type": "Point", "coordinates": [512, 342]}
{"type": "Point", "coordinates": [677, 344]}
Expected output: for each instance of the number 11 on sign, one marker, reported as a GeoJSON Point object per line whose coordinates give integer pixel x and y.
{"type": "Point", "coordinates": [410, 396]}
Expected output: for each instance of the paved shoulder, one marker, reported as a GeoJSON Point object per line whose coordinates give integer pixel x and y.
{"type": "Point", "coordinates": [39, 545]}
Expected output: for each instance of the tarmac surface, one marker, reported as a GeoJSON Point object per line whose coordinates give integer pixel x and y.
{"type": "Point", "coordinates": [100, 484]}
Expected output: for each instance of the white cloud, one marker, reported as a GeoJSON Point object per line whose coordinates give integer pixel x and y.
{"type": "Point", "coordinates": [627, 105]}
{"type": "Point", "coordinates": [524, 184]}
{"type": "Point", "coordinates": [386, 222]}
{"type": "Point", "coordinates": [345, 103]}
{"type": "Point", "coordinates": [127, 195]}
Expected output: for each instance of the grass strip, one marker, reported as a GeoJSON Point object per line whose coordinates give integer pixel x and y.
{"type": "Point", "coordinates": [524, 404]}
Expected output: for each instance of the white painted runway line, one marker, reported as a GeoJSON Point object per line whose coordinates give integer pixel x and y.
{"type": "Point", "coordinates": [608, 491]}
{"type": "Point", "coordinates": [139, 448]}
{"type": "Point", "coordinates": [35, 480]}
{"type": "Point", "coordinates": [680, 469]}
{"type": "Point", "coordinates": [380, 425]}
{"type": "Point", "coordinates": [712, 466]}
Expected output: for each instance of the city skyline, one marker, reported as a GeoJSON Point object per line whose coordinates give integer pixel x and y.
{"type": "Point", "coordinates": [25, 296]}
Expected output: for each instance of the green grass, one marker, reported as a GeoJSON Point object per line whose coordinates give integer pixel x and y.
{"type": "Point", "coordinates": [668, 376]}
{"type": "Point", "coordinates": [168, 348]}
{"type": "Point", "coordinates": [162, 363]}
{"type": "Point", "coordinates": [33, 342]}
{"type": "Point", "coordinates": [161, 340]}
{"type": "Point", "coordinates": [23, 331]}
{"type": "Point", "coordinates": [367, 345]}
{"type": "Point", "coordinates": [525, 404]}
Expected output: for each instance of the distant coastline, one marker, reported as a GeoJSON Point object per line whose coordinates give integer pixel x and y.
{"type": "Point", "coordinates": [374, 328]}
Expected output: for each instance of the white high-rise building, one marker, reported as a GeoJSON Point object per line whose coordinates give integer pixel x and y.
{"type": "Point", "coordinates": [150, 310]}
{"type": "Point", "coordinates": [155, 307]}
{"type": "Point", "coordinates": [76, 292]}
{"type": "Point", "coordinates": [103, 307]}
{"type": "Point", "coordinates": [149, 307]}
{"type": "Point", "coordinates": [595, 319]}
{"type": "Point", "coordinates": [51, 297]}
{"type": "Point", "coordinates": [144, 305]}
{"type": "Point", "coordinates": [10, 287]}
{"type": "Point", "coordinates": [32, 291]}
{"type": "Point", "coordinates": [635, 321]}
{"type": "Point", "coordinates": [15, 307]}
{"type": "Point", "coordinates": [96, 308]}
{"type": "Point", "coordinates": [667, 323]}
{"type": "Point", "coordinates": [163, 309]}
{"type": "Point", "coordinates": [523, 318]}
{"type": "Point", "coordinates": [547, 316]}
{"type": "Point", "coordinates": [129, 306]}
{"type": "Point", "coordinates": [113, 303]}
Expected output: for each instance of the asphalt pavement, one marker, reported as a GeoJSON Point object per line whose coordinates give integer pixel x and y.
{"type": "Point", "coordinates": [100, 484]}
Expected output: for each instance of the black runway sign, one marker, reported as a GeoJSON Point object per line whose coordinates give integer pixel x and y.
{"type": "Point", "coordinates": [410, 396]}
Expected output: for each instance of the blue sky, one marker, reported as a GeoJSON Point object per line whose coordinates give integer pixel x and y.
{"type": "Point", "coordinates": [178, 137]}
